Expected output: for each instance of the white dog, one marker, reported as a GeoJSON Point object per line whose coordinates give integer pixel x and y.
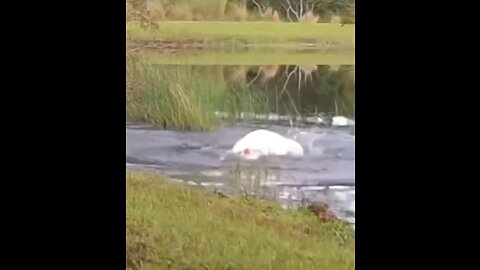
{"type": "Point", "coordinates": [263, 142]}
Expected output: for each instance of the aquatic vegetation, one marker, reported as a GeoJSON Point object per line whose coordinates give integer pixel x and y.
{"type": "Point", "coordinates": [168, 98]}
{"type": "Point", "coordinates": [181, 97]}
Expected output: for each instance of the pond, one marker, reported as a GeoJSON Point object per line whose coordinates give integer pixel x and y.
{"type": "Point", "coordinates": [313, 99]}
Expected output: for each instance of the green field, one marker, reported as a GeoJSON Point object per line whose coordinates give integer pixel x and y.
{"type": "Point", "coordinates": [253, 57]}
{"type": "Point", "coordinates": [171, 226]}
{"type": "Point", "coordinates": [251, 31]}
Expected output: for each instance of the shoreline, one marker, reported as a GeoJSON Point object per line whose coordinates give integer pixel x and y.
{"type": "Point", "coordinates": [181, 226]}
{"type": "Point", "coordinates": [188, 45]}
{"type": "Point", "coordinates": [176, 35]}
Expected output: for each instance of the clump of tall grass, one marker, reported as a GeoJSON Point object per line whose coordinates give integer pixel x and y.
{"type": "Point", "coordinates": [186, 97]}
{"type": "Point", "coordinates": [168, 98]}
{"type": "Point", "coordinates": [240, 99]}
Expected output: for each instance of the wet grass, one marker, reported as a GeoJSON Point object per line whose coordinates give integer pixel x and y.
{"type": "Point", "coordinates": [171, 226]}
{"type": "Point", "coordinates": [256, 32]}
{"type": "Point", "coordinates": [254, 57]}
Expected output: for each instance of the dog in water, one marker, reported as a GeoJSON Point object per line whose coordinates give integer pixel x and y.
{"type": "Point", "coordinates": [262, 142]}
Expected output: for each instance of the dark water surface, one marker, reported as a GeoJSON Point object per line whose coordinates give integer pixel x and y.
{"type": "Point", "coordinates": [312, 92]}
{"type": "Point", "coordinates": [326, 172]}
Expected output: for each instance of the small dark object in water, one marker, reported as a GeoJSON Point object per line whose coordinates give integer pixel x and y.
{"type": "Point", "coordinates": [322, 211]}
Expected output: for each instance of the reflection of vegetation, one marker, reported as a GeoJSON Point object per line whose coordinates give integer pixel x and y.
{"type": "Point", "coordinates": [177, 227]}
{"type": "Point", "coordinates": [254, 57]}
{"type": "Point", "coordinates": [306, 90]}
{"type": "Point", "coordinates": [188, 97]}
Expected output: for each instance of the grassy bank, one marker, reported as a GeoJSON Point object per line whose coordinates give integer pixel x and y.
{"type": "Point", "coordinates": [177, 227]}
{"type": "Point", "coordinates": [255, 32]}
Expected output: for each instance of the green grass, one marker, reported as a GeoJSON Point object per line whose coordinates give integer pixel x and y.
{"type": "Point", "coordinates": [167, 97]}
{"type": "Point", "coordinates": [251, 31]}
{"type": "Point", "coordinates": [254, 57]}
{"type": "Point", "coordinates": [183, 98]}
{"type": "Point", "coordinates": [171, 226]}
